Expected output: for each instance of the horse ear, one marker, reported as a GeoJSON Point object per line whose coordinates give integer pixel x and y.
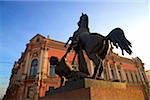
{"type": "Point", "coordinates": [82, 13]}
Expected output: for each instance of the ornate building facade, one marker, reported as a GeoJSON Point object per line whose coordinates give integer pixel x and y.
{"type": "Point", "coordinates": [32, 74]}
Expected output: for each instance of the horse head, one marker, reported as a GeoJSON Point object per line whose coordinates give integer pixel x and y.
{"type": "Point", "coordinates": [83, 22]}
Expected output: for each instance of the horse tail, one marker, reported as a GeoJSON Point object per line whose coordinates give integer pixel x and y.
{"type": "Point", "coordinates": [117, 37]}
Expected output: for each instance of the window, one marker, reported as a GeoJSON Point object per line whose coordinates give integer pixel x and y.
{"type": "Point", "coordinates": [131, 76]}
{"type": "Point", "coordinates": [136, 77]}
{"type": "Point", "coordinates": [37, 40]}
{"type": "Point", "coordinates": [30, 92]}
{"type": "Point", "coordinates": [127, 76]}
{"type": "Point", "coordinates": [53, 63]}
{"type": "Point", "coordinates": [113, 75]}
{"type": "Point", "coordinates": [120, 75]}
{"type": "Point", "coordinates": [52, 70]}
{"type": "Point", "coordinates": [33, 69]}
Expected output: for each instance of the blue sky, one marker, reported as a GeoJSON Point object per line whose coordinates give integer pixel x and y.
{"type": "Point", "coordinates": [20, 21]}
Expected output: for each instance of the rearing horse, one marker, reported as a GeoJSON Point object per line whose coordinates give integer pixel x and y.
{"type": "Point", "coordinates": [97, 46]}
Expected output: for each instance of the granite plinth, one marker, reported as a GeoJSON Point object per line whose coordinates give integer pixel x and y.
{"type": "Point", "coordinates": [90, 89]}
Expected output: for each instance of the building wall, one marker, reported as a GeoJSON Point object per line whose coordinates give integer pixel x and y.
{"type": "Point", "coordinates": [22, 85]}
{"type": "Point", "coordinates": [148, 78]}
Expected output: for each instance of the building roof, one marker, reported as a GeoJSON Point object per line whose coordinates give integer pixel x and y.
{"type": "Point", "coordinates": [37, 35]}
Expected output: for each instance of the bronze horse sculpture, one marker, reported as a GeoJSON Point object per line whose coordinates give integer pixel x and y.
{"type": "Point", "coordinates": [97, 46]}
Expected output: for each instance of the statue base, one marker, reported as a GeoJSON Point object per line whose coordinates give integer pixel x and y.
{"type": "Point", "coordinates": [91, 89]}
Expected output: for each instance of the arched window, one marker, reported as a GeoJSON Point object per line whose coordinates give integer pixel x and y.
{"type": "Point", "coordinates": [136, 77]}
{"type": "Point", "coordinates": [33, 69]}
{"type": "Point", "coordinates": [131, 76]}
{"type": "Point", "coordinates": [53, 63]}
{"type": "Point", "coordinates": [127, 76]}
{"type": "Point", "coordinates": [113, 74]}
{"type": "Point", "coordinates": [120, 75]}
{"type": "Point", "coordinates": [52, 70]}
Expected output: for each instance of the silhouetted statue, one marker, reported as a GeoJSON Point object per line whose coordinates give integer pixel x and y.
{"type": "Point", "coordinates": [63, 70]}
{"type": "Point", "coordinates": [95, 45]}
{"type": "Point", "coordinates": [75, 44]}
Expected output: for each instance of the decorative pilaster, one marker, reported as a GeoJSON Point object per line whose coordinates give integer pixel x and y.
{"type": "Point", "coordinates": [102, 75]}
{"type": "Point", "coordinates": [116, 70]}
{"type": "Point", "coordinates": [109, 71]}
{"type": "Point", "coordinates": [21, 92]}
{"type": "Point", "coordinates": [122, 73]}
{"type": "Point", "coordinates": [26, 67]}
{"type": "Point", "coordinates": [106, 69]}
{"type": "Point", "coordinates": [29, 64]}
{"type": "Point", "coordinates": [40, 63]}
{"type": "Point", "coordinates": [140, 74]}
{"type": "Point", "coordinates": [45, 62]}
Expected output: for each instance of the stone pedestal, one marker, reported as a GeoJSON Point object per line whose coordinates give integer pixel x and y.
{"type": "Point", "coordinates": [90, 89]}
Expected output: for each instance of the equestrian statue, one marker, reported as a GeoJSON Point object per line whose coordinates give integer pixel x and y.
{"type": "Point", "coordinates": [95, 45]}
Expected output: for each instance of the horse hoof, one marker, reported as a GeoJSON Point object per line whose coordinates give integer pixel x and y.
{"type": "Point", "coordinates": [98, 78]}
{"type": "Point", "coordinates": [93, 77]}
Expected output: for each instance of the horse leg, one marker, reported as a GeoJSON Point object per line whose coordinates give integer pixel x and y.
{"type": "Point", "coordinates": [74, 58]}
{"type": "Point", "coordinates": [100, 69]}
{"type": "Point", "coordinates": [62, 81]}
{"type": "Point", "coordinates": [96, 61]}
